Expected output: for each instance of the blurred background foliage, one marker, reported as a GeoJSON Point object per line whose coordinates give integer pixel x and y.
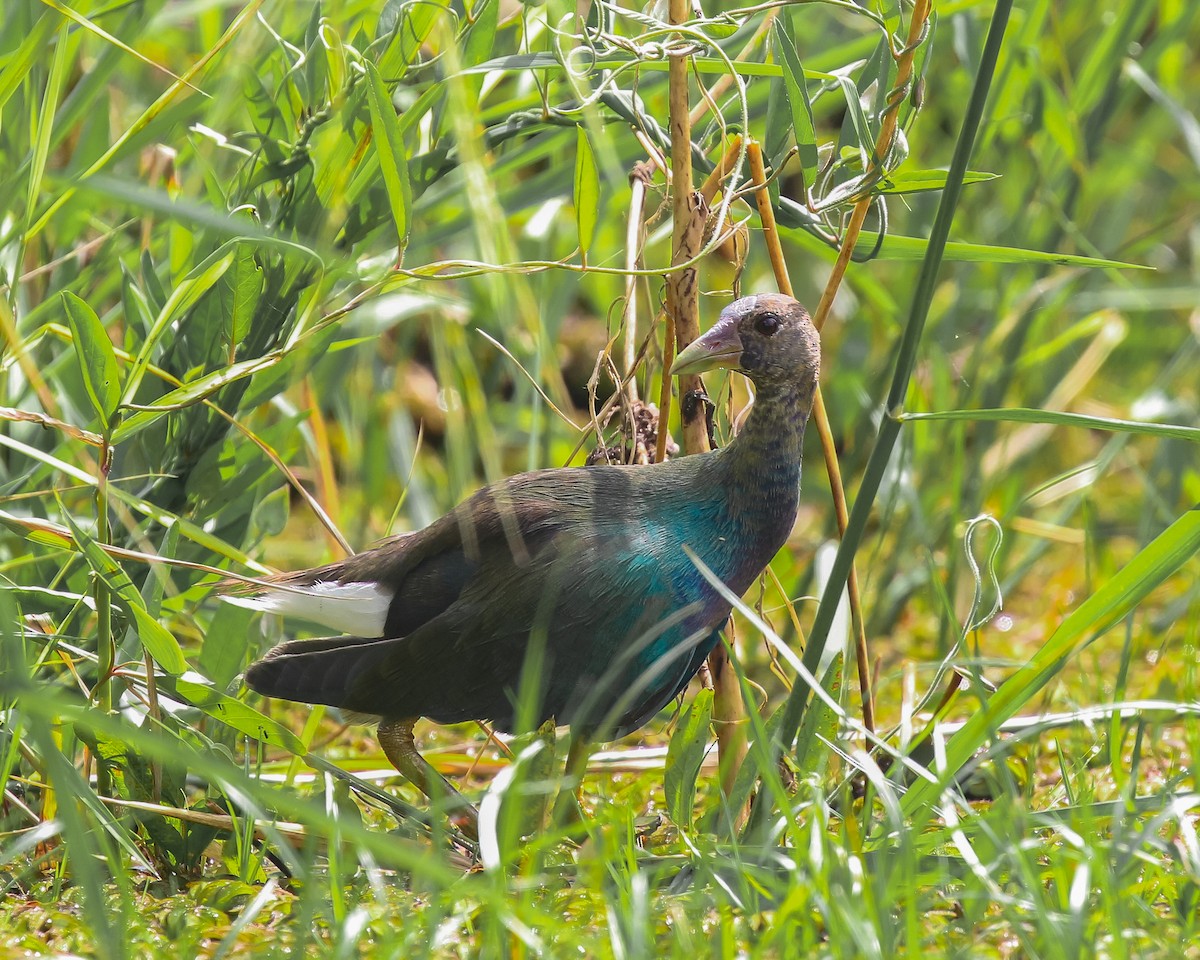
{"type": "Point", "coordinates": [255, 259]}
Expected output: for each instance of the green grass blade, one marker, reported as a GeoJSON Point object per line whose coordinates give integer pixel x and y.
{"type": "Point", "coordinates": [156, 638]}
{"type": "Point", "coordinates": [914, 248]}
{"type": "Point", "coordinates": [685, 754]}
{"type": "Point", "coordinates": [1061, 419]}
{"type": "Point", "coordinates": [803, 124]}
{"type": "Point", "coordinates": [1158, 560]}
{"type": "Point", "coordinates": [389, 147]}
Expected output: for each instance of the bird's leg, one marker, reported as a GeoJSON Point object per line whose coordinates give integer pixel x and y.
{"type": "Point", "coordinates": [569, 809]}
{"type": "Point", "coordinates": [399, 746]}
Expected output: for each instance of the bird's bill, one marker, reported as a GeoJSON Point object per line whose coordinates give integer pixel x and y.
{"type": "Point", "coordinates": [720, 347]}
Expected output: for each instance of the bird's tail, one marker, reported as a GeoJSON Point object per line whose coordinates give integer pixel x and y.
{"type": "Point", "coordinates": [325, 670]}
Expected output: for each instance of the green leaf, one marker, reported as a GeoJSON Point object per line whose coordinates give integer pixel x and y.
{"type": "Point", "coordinates": [16, 64]}
{"type": "Point", "coordinates": [587, 191]}
{"type": "Point", "coordinates": [240, 716]}
{"type": "Point", "coordinates": [97, 359]}
{"type": "Point", "coordinates": [410, 26]}
{"type": "Point", "coordinates": [1058, 418]}
{"type": "Point", "coordinates": [156, 638]}
{"type": "Point", "coordinates": [685, 755]}
{"type": "Point", "coordinates": [798, 100]}
{"type": "Point", "coordinates": [197, 283]}
{"type": "Point", "coordinates": [191, 393]}
{"type": "Point", "coordinates": [819, 720]}
{"type": "Point", "coordinates": [59, 66]}
{"type": "Point", "coordinates": [913, 248]}
{"type": "Point", "coordinates": [389, 148]}
{"type": "Point", "coordinates": [1157, 561]}
{"type": "Point", "coordinates": [245, 282]}
{"type": "Point", "coordinates": [481, 38]}
{"type": "Point", "coordinates": [1059, 123]}
{"type": "Point", "coordinates": [223, 649]}
{"type": "Point", "coordinates": [133, 779]}
{"type": "Point", "coordinates": [915, 181]}
{"type": "Point", "coordinates": [865, 144]}
{"type": "Point", "coordinates": [919, 181]}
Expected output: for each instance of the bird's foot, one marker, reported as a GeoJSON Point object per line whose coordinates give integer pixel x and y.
{"type": "Point", "coordinates": [399, 746]}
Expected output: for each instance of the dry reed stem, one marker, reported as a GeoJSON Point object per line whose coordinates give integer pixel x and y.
{"type": "Point", "coordinates": [883, 145]}
{"type": "Point", "coordinates": [824, 431]}
{"type": "Point", "coordinates": [690, 213]}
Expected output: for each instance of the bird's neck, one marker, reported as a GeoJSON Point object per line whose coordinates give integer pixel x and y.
{"type": "Point", "coordinates": [762, 470]}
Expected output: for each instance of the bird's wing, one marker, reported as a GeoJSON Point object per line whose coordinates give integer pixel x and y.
{"type": "Point", "coordinates": [406, 581]}
{"type": "Point", "coordinates": [566, 590]}
{"type": "Point", "coordinates": [594, 618]}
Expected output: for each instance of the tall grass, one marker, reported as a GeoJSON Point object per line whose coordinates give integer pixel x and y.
{"type": "Point", "coordinates": [279, 278]}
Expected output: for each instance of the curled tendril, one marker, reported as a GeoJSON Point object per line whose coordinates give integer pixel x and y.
{"type": "Point", "coordinates": [974, 619]}
{"type": "Point", "coordinates": [880, 204]}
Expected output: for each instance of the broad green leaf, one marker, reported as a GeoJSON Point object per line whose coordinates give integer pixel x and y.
{"type": "Point", "coordinates": [223, 649]}
{"type": "Point", "coordinates": [541, 767]}
{"type": "Point", "coordinates": [79, 797]}
{"type": "Point", "coordinates": [197, 283]}
{"type": "Point", "coordinates": [918, 181]}
{"type": "Point", "coordinates": [97, 359]}
{"type": "Point", "coordinates": [801, 106]}
{"type": "Point", "coordinates": [408, 25]}
{"type": "Point", "coordinates": [366, 174]}
{"type": "Point", "coordinates": [481, 38]}
{"type": "Point", "coordinates": [194, 689]}
{"type": "Point", "coordinates": [1026, 415]}
{"type": "Point", "coordinates": [134, 305]}
{"type": "Point", "coordinates": [190, 393]}
{"type": "Point", "coordinates": [685, 755]}
{"type": "Point", "coordinates": [896, 247]}
{"type": "Point", "coordinates": [1112, 602]}
{"type": "Point", "coordinates": [913, 248]}
{"type": "Point", "coordinates": [156, 638]}
{"type": "Point", "coordinates": [389, 147]}
{"type": "Point", "coordinates": [587, 191]}
{"type": "Point", "coordinates": [335, 62]}
{"type": "Point", "coordinates": [776, 139]}
{"type": "Point", "coordinates": [133, 779]}
{"type": "Point", "coordinates": [245, 282]}
{"type": "Point", "coordinates": [865, 143]}
{"type": "Point", "coordinates": [819, 720]}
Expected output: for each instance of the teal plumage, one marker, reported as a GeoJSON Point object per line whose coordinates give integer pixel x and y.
{"type": "Point", "coordinates": [567, 593]}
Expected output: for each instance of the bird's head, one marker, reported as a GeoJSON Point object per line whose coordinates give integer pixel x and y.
{"type": "Point", "coordinates": [768, 337]}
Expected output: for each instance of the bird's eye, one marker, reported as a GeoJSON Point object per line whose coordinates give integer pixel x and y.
{"type": "Point", "coordinates": [767, 324]}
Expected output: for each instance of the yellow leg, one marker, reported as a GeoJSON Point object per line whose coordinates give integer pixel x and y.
{"type": "Point", "coordinates": [396, 738]}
